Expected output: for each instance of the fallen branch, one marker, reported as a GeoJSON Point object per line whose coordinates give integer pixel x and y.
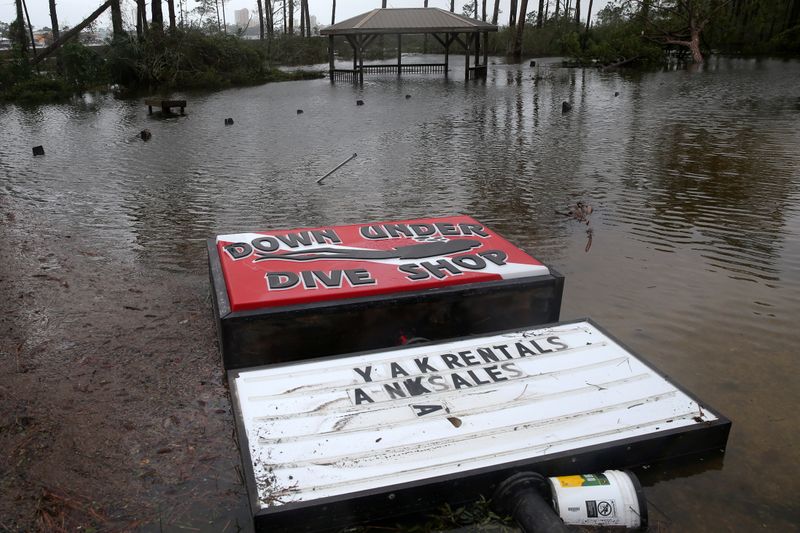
{"type": "Point", "coordinates": [67, 35]}
{"type": "Point", "coordinates": [621, 63]}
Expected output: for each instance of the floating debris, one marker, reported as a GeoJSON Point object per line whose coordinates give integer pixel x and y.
{"type": "Point", "coordinates": [566, 107]}
{"type": "Point", "coordinates": [340, 165]}
{"type": "Point", "coordinates": [38, 150]}
{"type": "Point", "coordinates": [580, 211]}
{"type": "Point", "coordinates": [359, 102]}
{"type": "Point", "coordinates": [229, 122]}
{"type": "Point", "coordinates": [145, 135]}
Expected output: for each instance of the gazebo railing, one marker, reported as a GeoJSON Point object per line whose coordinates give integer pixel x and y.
{"type": "Point", "coordinates": [345, 74]}
{"type": "Point", "coordinates": [411, 68]}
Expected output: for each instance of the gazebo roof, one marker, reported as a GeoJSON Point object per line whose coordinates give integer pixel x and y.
{"type": "Point", "coordinates": [408, 20]}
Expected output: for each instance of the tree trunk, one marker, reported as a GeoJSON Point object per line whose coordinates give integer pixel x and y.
{"type": "Point", "coordinates": [291, 17]}
{"type": "Point", "coordinates": [224, 21]}
{"type": "Point", "coordinates": [589, 15]}
{"type": "Point", "coordinates": [558, 8]}
{"type": "Point", "coordinates": [19, 37]}
{"type": "Point", "coordinates": [483, 11]}
{"type": "Point", "coordinates": [139, 27]}
{"type": "Point", "coordinates": [72, 32]}
{"type": "Point", "coordinates": [578, 13]}
{"type": "Point", "coordinates": [302, 19]}
{"type": "Point", "coordinates": [54, 19]}
{"type": "Point", "coordinates": [260, 20]}
{"type": "Point", "coordinates": [694, 46]}
{"type": "Point", "coordinates": [308, 19]}
{"type": "Point", "coordinates": [30, 27]}
{"type": "Point", "coordinates": [523, 8]}
{"type": "Point", "coordinates": [158, 15]}
{"type": "Point", "coordinates": [452, 6]}
{"type": "Point", "coordinates": [512, 14]}
{"type": "Point", "coordinates": [585, 36]}
{"type": "Point", "coordinates": [794, 15]}
{"type": "Point", "coordinates": [496, 12]}
{"type": "Point", "coordinates": [644, 11]}
{"type": "Point", "coordinates": [333, 13]}
{"type": "Point", "coordinates": [540, 14]}
{"type": "Point", "coordinates": [383, 4]}
{"type": "Point", "coordinates": [171, 11]}
{"type": "Point", "coordinates": [116, 19]}
{"type": "Point", "coordinates": [219, 23]}
{"type": "Point", "coordinates": [270, 18]}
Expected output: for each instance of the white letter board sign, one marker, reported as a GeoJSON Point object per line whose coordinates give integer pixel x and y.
{"type": "Point", "coordinates": [335, 440]}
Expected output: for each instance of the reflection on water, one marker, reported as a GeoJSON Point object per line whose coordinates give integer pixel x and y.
{"type": "Point", "coordinates": [693, 176]}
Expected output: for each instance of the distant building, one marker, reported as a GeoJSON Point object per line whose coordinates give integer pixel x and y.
{"type": "Point", "coordinates": [242, 17]}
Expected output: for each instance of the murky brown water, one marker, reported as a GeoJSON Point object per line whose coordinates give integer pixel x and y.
{"type": "Point", "coordinates": [695, 259]}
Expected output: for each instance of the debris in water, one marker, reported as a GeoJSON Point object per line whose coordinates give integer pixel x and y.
{"type": "Point", "coordinates": [580, 211]}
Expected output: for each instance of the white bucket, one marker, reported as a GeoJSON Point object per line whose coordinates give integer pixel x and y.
{"type": "Point", "coordinates": [613, 498]}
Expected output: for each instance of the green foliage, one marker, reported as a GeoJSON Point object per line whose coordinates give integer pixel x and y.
{"type": "Point", "coordinates": [19, 83]}
{"type": "Point", "coordinates": [189, 59]}
{"type": "Point", "coordinates": [617, 37]}
{"type": "Point", "coordinates": [787, 42]}
{"type": "Point", "coordinates": [476, 516]}
{"type": "Point", "coordinates": [82, 66]}
{"type": "Point", "coordinates": [17, 33]}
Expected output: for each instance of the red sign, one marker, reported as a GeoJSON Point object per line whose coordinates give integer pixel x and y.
{"type": "Point", "coordinates": [277, 268]}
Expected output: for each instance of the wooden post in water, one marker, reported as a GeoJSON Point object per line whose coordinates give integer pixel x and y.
{"type": "Point", "coordinates": [446, 53]}
{"type": "Point", "coordinates": [399, 54]}
{"type": "Point", "coordinates": [477, 47]}
{"type": "Point", "coordinates": [360, 60]}
{"type": "Point", "coordinates": [486, 54]}
{"type": "Point", "coordinates": [467, 45]}
{"type": "Point", "coordinates": [330, 56]}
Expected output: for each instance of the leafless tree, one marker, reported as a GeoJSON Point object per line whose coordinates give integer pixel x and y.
{"type": "Point", "coordinates": [523, 9]}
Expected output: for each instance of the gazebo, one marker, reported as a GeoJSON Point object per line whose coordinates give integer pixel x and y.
{"type": "Point", "coordinates": [444, 26]}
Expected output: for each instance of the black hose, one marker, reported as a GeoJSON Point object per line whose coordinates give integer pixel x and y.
{"type": "Point", "coordinates": [525, 496]}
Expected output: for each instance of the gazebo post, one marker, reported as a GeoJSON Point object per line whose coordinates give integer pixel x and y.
{"type": "Point", "coordinates": [399, 54]}
{"type": "Point", "coordinates": [360, 60]}
{"type": "Point", "coordinates": [467, 45]}
{"type": "Point", "coordinates": [355, 55]}
{"type": "Point", "coordinates": [330, 57]}
{"type": "Point", "coordinates": [447, 41]}
{"type": "Point", "coordinates": [485, 54]}
{"type": "Point", "coordinates": [477, 51]}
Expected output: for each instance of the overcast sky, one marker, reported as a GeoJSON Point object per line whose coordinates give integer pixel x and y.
{"type": "Point", "coordinates": [71, 12]}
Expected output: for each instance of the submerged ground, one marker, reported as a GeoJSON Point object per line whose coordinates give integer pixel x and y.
{"type": "Point", "coordinates": [113, 407]}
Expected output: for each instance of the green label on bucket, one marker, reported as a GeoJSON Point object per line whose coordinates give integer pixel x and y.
{"type": "Point", "coordinates": [585, 480]}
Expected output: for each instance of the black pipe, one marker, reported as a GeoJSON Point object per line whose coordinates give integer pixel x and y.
{"type": "Point", "coordinates": [525, 496]}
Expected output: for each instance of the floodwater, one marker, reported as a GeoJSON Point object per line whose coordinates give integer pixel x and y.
{"type": "Point", "coordinates": [113, 400]}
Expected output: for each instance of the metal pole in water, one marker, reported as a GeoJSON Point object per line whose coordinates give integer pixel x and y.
{"type": "Point", "coordinates": [340, 165]}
